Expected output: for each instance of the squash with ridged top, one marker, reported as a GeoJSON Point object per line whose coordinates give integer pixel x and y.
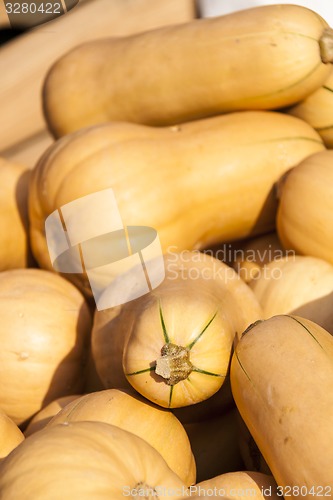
{"type": "Point", "coordinates": [86, 460]}
{"type": "Point", "coordinates": [174, 344]}
{"type": "Point", "coordinates": [125, 409]}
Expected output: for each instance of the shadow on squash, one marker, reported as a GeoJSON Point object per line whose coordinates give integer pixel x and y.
{"type": "Point", "coordinates": [319, 311]}
{"type": "Point", "coordinates": [21, 195]}
{"type": "Point", "coordinates": [64, 382]}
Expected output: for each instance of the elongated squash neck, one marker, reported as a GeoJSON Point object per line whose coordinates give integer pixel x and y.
{"type": "Point", "coordinates": [326, 46]}
{"type": "Point", "coordinates": [174, 364]}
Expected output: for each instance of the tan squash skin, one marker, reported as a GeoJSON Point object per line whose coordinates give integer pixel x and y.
{"type": "Point", "coordinates": [10, 435]}
{"type": "Point", "coordinates": [85, 460]}
{"type": "Point", "coordinates": [220, 172]}
{"type": "Point", "coordinates": [316, 109]}
{"type": "Point", "coordinates": [45, 327]}
{"type": "Point", "coordinates": [200, 306]}
{"type": "Point", "coordinates": [239, 485]}
{"type": "Point", "coordinates": [286, 399]}
{"type": "Point", "coordinates": [42, 418]}
{"type": "Point", "coordinates": [261, 58]}
{"type": "Point", "coordinates": [160, 428]}
{"type": "Point", "coordinates": [14, 231]}
{"type": "Point", "coordinates": [304, 217]}
{"type": "Point", "coordinates": [299, 285]}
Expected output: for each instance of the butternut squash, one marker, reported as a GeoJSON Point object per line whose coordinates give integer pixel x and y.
{"type": "Point", "coordinates": [44, 335]}
{"type": "Point", "coordinates": [260, 58]}
{"type": "Point", "coordinates": [238, 486]}
{"type": "Point", "coordinates": [317, 110]}
{"type": "Point", "coordinates": [299, 285]}
{"type": "Point", "coordinates": [24, 65]}
{"type": "Point", "coordinates": [125, 409]}
{"type": "Point", "coordinates": [174, 344]}
{"type": "Point", "coordinates": [86, 460]}
{"type": "Point", "coordinates": [198, 184]}
{"type": "Point", "coordinates": [304, 218]}
{"type": "Point", "coordinates": [282, 378]}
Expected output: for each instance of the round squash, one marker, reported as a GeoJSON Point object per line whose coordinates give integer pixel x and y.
{"type": "Point", "coordinates": [159, 427]}
{"type": "Point", "coordinates": [316, 109]}
{"type": "Point", "coordinates": [44, 335]}
{"type": "Point", "coordinates": [282, 379]}
{"type": "Point", "coordinates": [260, 58]}
{"type": "Point", "coordinates": [10, 435]}
{"type": "Point", "coordinates": [86, 460]}
{"type": "Point", "coordinates": [304, 218]}
{"type": "Point", "coordinates": [174, 344]}
{"type": "Point", "coordinates": [299, 285]}
{"type": "Point", "coordinates": [219, 174]}
{"type": "Point", "coordinates": [14, 233]}
{"type": "Point", "coordinates": [42, 418]}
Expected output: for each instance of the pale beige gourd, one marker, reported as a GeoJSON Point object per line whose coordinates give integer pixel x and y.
{"type": "Point", "coordinates": [42, 418]}
{"type": "Point", "coordinates": [86, 460]}
{"type": "Point", "coordinates": [239, 485]}
{"type": "Point", "coordinates": [44, 335]}
{"type": "Point", "coordinates": [259, 58]}
{"type": "Point", "coordinates": [174, 344]}
{"type": "Point", "coordinates": [198, 184]}
{"type": "Point", "coordinates": [159, 427]}
{"type": "Point", "coordinates": [317, 110]}
{"type": "Point", "coordinates": [304, 218]}
{"type": "Point", "coordinates": [297, 285]}
{"type": "Point", "coordinates": [286, 399]}
{"type": "Point", "coordinates": [14, 230]}
{"type": "Point", "coordinates": [10, 435]}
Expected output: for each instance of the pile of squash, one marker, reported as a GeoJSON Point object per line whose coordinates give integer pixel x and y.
{"type": "Point", "coordinates": [219, 381]}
